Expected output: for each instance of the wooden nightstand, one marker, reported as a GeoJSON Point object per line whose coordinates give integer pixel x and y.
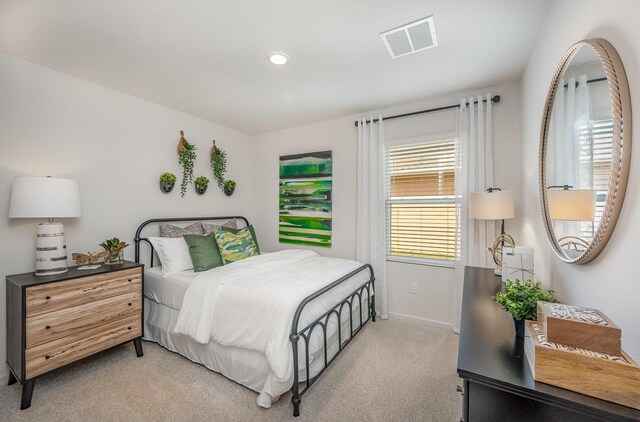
{"type": "Point", "coordinates": [53, 321]}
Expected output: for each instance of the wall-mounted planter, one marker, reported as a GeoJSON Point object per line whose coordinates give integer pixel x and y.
{"type": "Point", "coordinates": [166, 187]}
{"type": "Point", "coordinates": [201, 189]}
{"type": "Point", "coordinates": [229, 191]}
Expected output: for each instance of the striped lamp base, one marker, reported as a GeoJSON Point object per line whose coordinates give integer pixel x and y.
{"type": "Point", "coordinates": [51, 251]}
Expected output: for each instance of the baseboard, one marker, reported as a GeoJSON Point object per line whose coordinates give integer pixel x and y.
{"type": "Point", "coordinates": [434, 322]}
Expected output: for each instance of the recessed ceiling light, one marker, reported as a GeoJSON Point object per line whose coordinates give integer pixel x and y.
{"type": "Point", "coordinates": [278, 58]}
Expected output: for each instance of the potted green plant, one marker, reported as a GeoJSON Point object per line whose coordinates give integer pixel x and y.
{"type": "Point", "coordinates": [520, 299]}
{"type": "Point", "coordinates": [186, 158]}
{"type": "Point", "coordinates": [114, 248]}
{"type": "Point", "coordinates": [229, 187]}
{"type": "Point", "coordinates": [218, 160]}
{"type": "Point", "coordinates": [167, 182]}
{"type": "Point", "coordinates": [201, 185]}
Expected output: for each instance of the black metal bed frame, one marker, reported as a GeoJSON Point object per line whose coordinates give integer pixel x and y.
{"type": "Point", "coordinates": [306, 332]}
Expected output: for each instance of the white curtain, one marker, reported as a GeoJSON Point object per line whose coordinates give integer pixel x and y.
{"type": "Point", "coordinates": [370, 225]}
{"type": "Point", "coordinates": [474, 173]}
{"type": "Point", "coordinates": [571, 112]}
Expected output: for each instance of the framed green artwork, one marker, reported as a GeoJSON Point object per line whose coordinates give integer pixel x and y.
{"type": "Point", "coordinates": [305, 198]}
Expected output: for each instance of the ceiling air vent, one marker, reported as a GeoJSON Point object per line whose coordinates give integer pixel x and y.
{"type": "Point", "coordinates": [410, 38]}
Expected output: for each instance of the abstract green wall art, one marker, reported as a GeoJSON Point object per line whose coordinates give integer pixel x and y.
{"type": "Point", "coordinates": [305, 198]}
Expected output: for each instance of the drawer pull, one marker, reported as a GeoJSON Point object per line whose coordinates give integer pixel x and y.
{"type": "Point", "coordinates": [129, 303]}
{"type": "Point", "coordinates": [47, 357]}
{"type": "Point", "coordinates": [48, 327]}
{"type": "Point", "coordinates": [129, 327]}
{"type": "Point", "coordinates": [130, 280]}
{"type": "Point", "coordinates": [48, 297]}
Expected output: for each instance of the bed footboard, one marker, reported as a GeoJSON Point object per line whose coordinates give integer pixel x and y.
{"type": "Point", "coordinates": [322, 321]}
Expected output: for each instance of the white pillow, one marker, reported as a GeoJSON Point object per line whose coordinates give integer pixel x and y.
{"type": "Point", "coordinates": [173, 253]}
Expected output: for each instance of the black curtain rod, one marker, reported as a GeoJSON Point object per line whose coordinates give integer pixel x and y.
{"type": "Point", "coordinates": [495, 99]}
{"type": "Point", "coordinates": [589, 81]}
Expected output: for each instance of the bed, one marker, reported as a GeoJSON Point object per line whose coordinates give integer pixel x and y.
{"type": "Point", "coordinates": [272, 322]}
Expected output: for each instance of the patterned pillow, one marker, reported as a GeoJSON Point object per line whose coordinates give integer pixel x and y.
{"type": "Point", "coordinates": [168, 230]}
{"type": "Point", "coordinates": [210, 228]}
{"type": "Point", "coordinates": [235, 246]}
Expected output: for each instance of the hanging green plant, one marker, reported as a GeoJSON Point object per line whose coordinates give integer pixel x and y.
{"type": "Point", "coordinates": [186, 158]}
{"type": "Point", "coordinates": [218, 160]}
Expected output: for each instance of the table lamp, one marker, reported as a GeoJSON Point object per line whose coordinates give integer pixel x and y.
{"type": "Point", "coordinates": [46, 197]}
{"type": "Point", "coordinates": [494, 204]}
{"type": "Point", "coordinates": [568, 204]}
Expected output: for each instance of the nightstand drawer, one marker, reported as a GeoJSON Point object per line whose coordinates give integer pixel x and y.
{"type": "Point", "coordinates": [51, 326]}
{"type": "Point", "coordinates": [52, 355]}
{"type": "Point", "coordinates": [54, 296]}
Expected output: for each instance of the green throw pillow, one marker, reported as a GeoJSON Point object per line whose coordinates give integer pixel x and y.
{"type": "Point", "coordinates": [204, 252]}
{"type": "Point", "coordinates": [251, 230]}
{"type": "Point", "coordinates": [235, 246]}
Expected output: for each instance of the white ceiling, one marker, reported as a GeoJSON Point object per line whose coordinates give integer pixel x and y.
{"type": "Point", "coordinates": [208, 57]}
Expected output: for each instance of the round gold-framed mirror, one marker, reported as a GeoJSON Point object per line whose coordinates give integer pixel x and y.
{"type": "Point", "coordinates": [585, 150]}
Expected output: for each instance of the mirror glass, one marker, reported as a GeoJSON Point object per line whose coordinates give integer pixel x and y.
{"type": "Point", "coordinates": [585, 150]}
{"type": "Point", "coordinates": [579, 151]}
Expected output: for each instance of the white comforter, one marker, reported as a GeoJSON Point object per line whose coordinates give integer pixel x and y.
{"type": "Point", "coordinates": [251, 303]}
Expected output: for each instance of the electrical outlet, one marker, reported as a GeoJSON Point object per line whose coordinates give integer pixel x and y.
{"type": "Point", "coordinates": [414, 288]}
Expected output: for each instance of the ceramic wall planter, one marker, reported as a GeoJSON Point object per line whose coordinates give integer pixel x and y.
{"type": "Point", "coordinates": [201, 189]}
{"type": "Point", "coordinates": [229, 191]}
{"type": "Point", "coordinates": [166, 187]}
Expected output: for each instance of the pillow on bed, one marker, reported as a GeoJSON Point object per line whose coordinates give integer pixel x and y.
{"type": "Point", "coordinates": [251, 230]}
{"type": "Point", "coordinates": [169, 230]}
{"type": "Point", "coordinates": [235, 246]}
{"type": "Point", "coordinates": [173, 253]}
{"type": "Point", "coordinates": [203, 251]}
{"type": "Point", "coordinates": [210, 228]}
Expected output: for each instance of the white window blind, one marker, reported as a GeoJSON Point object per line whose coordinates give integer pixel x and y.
{"type": "Point", "coordinates": [595, 142]}
{"type": "Point", "coordinates": [420, 200]}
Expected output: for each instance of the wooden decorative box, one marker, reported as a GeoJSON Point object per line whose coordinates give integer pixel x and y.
{"type": "Point", "coordinates": [612, 378]}
{"type": "Point", "coordinates": [579, 327]}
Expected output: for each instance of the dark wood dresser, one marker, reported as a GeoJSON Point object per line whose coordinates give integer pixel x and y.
{"type": "Point", "coordinates": [55, 320]}
{"type": "Point", "coordinates": [497, 381]}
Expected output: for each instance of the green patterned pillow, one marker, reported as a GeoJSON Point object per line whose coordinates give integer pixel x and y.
{"type": "Point", "coordinates": [235, 246]}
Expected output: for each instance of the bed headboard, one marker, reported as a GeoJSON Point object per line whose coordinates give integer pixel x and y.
{"type": "Point", "coordinates": [155, 222]}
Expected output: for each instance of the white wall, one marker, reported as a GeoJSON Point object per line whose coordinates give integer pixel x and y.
{"type": "Point", "coordinates": [611, 282]}
{"type": "Point", "coordinates": [115, 146]}
{"type": "Point", "coordinates": [434, 299]}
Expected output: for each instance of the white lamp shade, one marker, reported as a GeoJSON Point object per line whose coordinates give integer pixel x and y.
{"type": "Point", "coordinates": [572, 204]}
{"type": "Point", "coordinates": [44, 197]}
{"type": "Point", "coordinates": [496, 205]}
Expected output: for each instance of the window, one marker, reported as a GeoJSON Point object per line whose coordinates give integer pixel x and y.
{"type": "Point", "coordinates": [595, 143]}
{"type": "Point", "coordinates": [420, 200]}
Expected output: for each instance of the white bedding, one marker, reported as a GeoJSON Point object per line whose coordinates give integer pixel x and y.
{"type": "Point", "coordinates": [169, 291]}
{"type": "Point", "coordinates": [250, 304]}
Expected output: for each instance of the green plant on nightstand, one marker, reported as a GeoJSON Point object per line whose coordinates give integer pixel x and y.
{"type": "Point", "coordinates": [520, 299]}
{"type": "Point", "coordinates": [114, 248]}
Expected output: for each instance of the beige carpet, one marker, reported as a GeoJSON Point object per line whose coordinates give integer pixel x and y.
{"type": "Point", "coordinates": [393, 371]}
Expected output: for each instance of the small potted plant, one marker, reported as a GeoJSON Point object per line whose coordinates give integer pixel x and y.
{"type": "Point", "coordinates": [167, 182]}
{"type": "Point", "coordinates": [229, 187]}
{"type": "Point", "coordinates": [114, 248]}
{"type": "Point", "coordinates": [520, 299]}
{"type": "Point", "coordinates": [186, 159]}
{"type": "Point", "coordinates": [201, 185]}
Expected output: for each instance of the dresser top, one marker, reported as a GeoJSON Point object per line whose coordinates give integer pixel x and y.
{"type": "Point", "coordinates": [489, 354]}
{"type": "Point", "coordinates": [30, 279]}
